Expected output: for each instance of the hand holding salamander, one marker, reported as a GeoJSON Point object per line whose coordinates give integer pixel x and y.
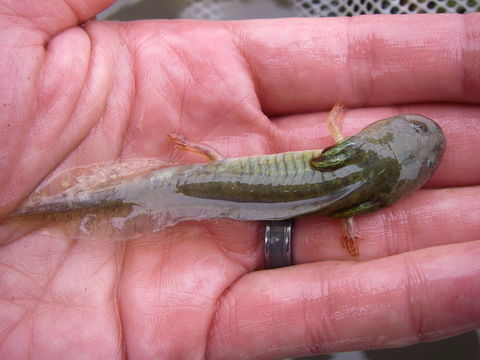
{"type": "Point", "coordinates": [108, 92]}
{"type": "Point", "coordinates": [360, 174]}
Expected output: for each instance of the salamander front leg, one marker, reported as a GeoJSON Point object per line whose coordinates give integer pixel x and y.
{"type": "Point", "coordinates": [349, 234]}
{"type": "Point", "coordinates": [182, 143]}
{"type": "Point", "coordinates": [333, 121]}
{"type": "Point", "coordinates": [350, 237]}
{"type": "Point", "coordinates": [334, 160]}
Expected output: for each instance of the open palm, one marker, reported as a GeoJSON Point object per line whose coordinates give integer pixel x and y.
{"type": "Point", "coordinates": [74, 95]}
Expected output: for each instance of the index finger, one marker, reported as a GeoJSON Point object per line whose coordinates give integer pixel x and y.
{"type": "Point", "coordinates": [327, 307]}
{"type": "Point", "coordinates": [304, 65]}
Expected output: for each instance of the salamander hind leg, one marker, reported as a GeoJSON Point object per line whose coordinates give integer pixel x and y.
{"type": "Point", "coordinates": [181, 142]}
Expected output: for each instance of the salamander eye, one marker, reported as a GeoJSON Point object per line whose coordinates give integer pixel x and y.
{"type": "Point", "coordinates": [418, 126]}
{"type": "Point", "coordinates": [432, 163]}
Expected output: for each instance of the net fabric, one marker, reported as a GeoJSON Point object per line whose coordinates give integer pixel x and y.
{"type": "Point", "coordinates": [225, 9]}
{"type": "Point", "coordinates": [206, 9]}
{"type": "Point", "coordinates": [359, 7]}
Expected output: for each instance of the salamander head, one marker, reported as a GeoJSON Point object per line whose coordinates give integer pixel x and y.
{"type": "Point", "coordinates": [416, 142]}
{"type": "Point", "coordinates": [389, 158]}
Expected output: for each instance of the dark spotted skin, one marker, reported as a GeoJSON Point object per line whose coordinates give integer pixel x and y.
{"type": "Point", "coordinates": [365, 172]}
{"type": "Point", "coordinates": [388, 159]}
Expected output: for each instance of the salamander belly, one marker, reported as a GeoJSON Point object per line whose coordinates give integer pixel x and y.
{"type": "Point", "coordinates": [257, 188]}
{"type": "Point", "coordinates": [254, 188]}
{"type": "Point", "coordinates": [183, 207]}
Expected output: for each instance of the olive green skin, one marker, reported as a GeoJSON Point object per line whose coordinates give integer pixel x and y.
{"type": "Point", "coordinates": [397, 156]}
{"type": "Point", "coordinates": [362, 173]}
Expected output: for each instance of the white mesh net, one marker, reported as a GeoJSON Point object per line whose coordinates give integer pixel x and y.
{"type": "Point", "coordinates": [358, 7]}
{"type": "Point", "coordinates": [248, 9]}
{"type": "Point", "coordinates": [206, 9]}
{"type": "Point", "coordinates": [230, 9]}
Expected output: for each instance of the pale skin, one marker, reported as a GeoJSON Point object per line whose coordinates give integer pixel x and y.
{"type": "Point", "coordinates": [74, 95]}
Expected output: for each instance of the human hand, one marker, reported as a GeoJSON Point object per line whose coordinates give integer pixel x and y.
{"type": "Point", "coordinates": [74, 95]}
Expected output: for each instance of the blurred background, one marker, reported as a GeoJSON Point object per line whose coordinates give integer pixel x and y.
{"type": "Point", "coordinates": [248, 9]}
{"type": "Point", "coordinates": [462, 347]}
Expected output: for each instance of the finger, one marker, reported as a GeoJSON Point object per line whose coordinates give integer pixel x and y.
{"type": "Point", "coordinates": [48, 116]}
{"type": "Point", "coordinates": [50, 16]}
{"type": "Point", "coordinates": [306, 65]}
{"type": "Point", "coordinates": [460, 124]}
{"type": "Point", "coordinates": [329, 307]}
{"type": "Point", "coordinates": [424, 219]}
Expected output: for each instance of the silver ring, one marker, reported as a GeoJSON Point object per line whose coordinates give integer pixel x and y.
{"type": "Point", "coordinates": [278, 243]}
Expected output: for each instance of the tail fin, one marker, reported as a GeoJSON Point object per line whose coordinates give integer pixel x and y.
{"type": "Point", "coordinates": [60, 192]}
{"type": "Point", "coordinates": [55, 205]}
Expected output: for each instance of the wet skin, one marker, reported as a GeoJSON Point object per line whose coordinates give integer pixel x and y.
{"type": "Point", "coordinates": [362, 173]}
